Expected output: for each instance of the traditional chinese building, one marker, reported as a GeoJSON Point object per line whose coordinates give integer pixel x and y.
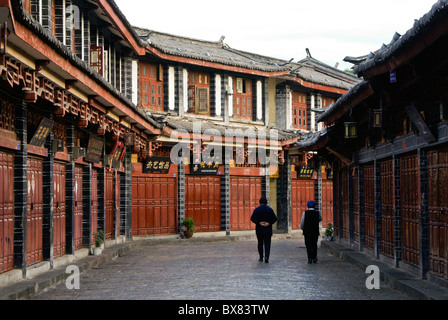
{"type": "Point", "coordinates": [110, 127]}
{"type": "Point", "coordinates": [223, 95]}
{"type": "Point", "coordinates": [65, 159]}
{"type": "Point", "coordinates": [387, 139]}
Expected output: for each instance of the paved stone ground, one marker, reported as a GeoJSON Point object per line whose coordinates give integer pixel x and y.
{"type": "Point", "coordinates": [226, 270]}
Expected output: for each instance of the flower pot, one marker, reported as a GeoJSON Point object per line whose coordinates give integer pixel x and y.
{"type": "Point", "coordinates": [188, 234]}
{"type": "Point", "coordinates": [97, 251]}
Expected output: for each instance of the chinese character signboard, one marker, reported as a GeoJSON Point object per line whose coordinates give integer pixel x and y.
{"type": "Point", "coordinates": [305, 172]}
{"type": "Point", "coordinates": [42, 132]}
{"type": "Point", "coordinates": [117, 154]}
{"type": "Point", "coordinates": [157, 165]}
{"type": "Point", "coordinates": [210, 168]}
{"type": "Point", "coordinates": [95, 149]}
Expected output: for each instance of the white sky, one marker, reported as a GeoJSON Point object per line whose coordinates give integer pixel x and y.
{"type": "Point", "coordinates": [331, 29]}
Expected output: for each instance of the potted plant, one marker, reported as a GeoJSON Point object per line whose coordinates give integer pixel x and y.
{"type": "Point", "coordinates": [99, 239]}
{"type": "Point", "coordinates": [329, 232]}
{"type": "Point", "coordinates": [189, 227]}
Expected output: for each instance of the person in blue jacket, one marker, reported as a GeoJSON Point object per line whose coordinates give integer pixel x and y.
{"type": "Point", "coordinates": [264, 217]}
{"type": "Point", "coordinates": [310, 226]}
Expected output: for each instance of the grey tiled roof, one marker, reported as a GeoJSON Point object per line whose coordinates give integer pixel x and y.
{"type": "Point", "coordinates": [212, 51]}
{"type": "Point", "coordinates": [310, 139]}
{"type": "Point", "coordinates": [341, 101]}
{"type": "Point", "coordinates": [318, 72]}
{"type": "Point", "coordinates": [219, 128]}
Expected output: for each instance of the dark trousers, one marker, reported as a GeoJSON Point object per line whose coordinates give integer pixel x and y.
{"type": "Point", "coordinates": [264, 240]}
{"type": "Point", "coordinates": [311, 246]}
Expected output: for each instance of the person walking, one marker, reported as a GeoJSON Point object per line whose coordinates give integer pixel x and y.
{"type": "Point", "coordinates": [263, 217]}
{"type": "Point", "coordinates": [310, 226]}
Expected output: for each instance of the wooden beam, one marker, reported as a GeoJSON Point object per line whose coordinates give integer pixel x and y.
{"type": "Point", "coordinates": [340, 156]}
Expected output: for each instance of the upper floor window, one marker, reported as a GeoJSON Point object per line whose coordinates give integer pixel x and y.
{"type": "Point", "coordinates": [199, 93]}
{"type": "Point", "coordinates": [242, 99]}
{"type": "Point", "coordinates": [326, 102]}
{"type": "Point", "coordinates": [299, 110]}
{"type": "Point", "coordinates": [150, 80]}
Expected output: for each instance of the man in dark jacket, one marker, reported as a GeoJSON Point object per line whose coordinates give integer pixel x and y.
{"type": "Point", "coordinates": [264, 217]}
{"type": "Point", "coordinates": [310, 226]}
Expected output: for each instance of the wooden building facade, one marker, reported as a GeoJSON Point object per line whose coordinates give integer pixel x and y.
{"type": "Point", "coordinates": [68, 128]}
{"type": "Point", "coordinates": [95, 112]}
{"type": "Point", "coordinates": [388, 141]}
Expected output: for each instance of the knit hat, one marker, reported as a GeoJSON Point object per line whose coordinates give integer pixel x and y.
{"type": "Point", "coordinates": [310, 204]}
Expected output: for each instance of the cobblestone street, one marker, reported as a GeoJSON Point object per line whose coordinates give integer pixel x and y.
{"type": "Point", "coordinates": [226, 270]}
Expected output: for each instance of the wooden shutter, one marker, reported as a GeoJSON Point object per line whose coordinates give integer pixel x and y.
{"type": "Point", "coordinates": [96, 58]}
{"type": "Point", "coordinates": [202, 101]}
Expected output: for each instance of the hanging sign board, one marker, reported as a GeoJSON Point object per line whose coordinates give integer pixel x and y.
{"type": "Point", "coordinates": [209, 168]}
{"type": "Point", "coordinates": [159, 165]}
{"type": "Point", "coordinates": [42, 132]}
{"type": "Point", "coordinates": [95, 149]}
{"type": "Point", "coordinates": [117, 154]}
{"type": "Point", "coordinates": [305, 172]}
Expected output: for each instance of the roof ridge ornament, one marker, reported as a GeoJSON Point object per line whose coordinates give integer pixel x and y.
{"type": "Point", "coordinates": [308, 53]}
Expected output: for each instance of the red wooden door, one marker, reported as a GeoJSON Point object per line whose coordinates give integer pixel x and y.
{"type": "Point", "coordinates": [34, 217]}
{"type": "Point", "coordinates": [59, 239]}
{"type": "Point", "coordinates": [203, 202]}
{"type": "Point", "coordinates": [94, 202]}
{"type": "Point", "coordinates": [154, 206]}
{"type": "Point", "coordinates": [245, 193]}
{"type": "Point", "coordinates": [438, 211]}
{"type": "Point", "coordinates": [410, 203]}
{"type": "Point", "coordinates": [117, 205]}
{"type": "Point", "coordinates": [302, 191]}
{"type": "Point", "coordinates": [369, 206]}
{"type": "Point", "coordinates": [78, 208]}
{"type": "Point", "coordinates": [387, 207]}
{"type": "Point", "coordinates": [6, 211]}
{"type": "Point", "coordinates": [109, 200]}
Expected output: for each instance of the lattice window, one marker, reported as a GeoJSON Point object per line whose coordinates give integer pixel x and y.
{"type": "Point", "coordinates": [242, 101]}
{"type": "Point", "coordinates": [7, 115]}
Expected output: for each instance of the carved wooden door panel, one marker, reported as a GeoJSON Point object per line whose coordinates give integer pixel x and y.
{"type": "Point", "coordinates": [438, 211]}
{"type": "Point", "coordinates": [410, 208]}
{"type": "Point", "coordinates": [387, 207]}
{"type": "Point", "coordinates": [369, 206]}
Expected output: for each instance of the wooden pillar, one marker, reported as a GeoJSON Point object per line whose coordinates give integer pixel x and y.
{"type": "Point", "coordinates": [361, 207]}
{"type": "Point", "coordinates": [424, 213]}
{"type": "Point", "coordinates": [20, 188]}
{"type": "Point", "coordinates": [47, 182]}
{"type": "Point", "coordinates": [351, 222]}
{"type": "Point", "coordinates": [284, 222]}
{"type": "Point", "coordinates": [102, 199]}
{"type": "Point", "coordinates": [181, 194]}
{"type": "Point", "coordinates": [377, 197]}
{"type": "Point", "coordinates": [126, 196]}
{"type": "Point", "coordinates": [225, 198]}
{"type": "Point", "coordinates": [397, 211]}
{"type": "Point", "coordinates": [70, 192]}
{"type": "Point", "coordinates": [87, 206]}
